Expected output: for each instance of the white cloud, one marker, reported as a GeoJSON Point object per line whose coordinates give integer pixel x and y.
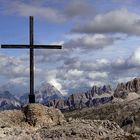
{"type": "Point", "coordinates": [78, 7]}
{"type": "Point", "coordinates": [19, 81]}
{"type": "Point", "coordinates": [135, 58]}
{"type": "Point", "coordinates": [45, 9]}
{"type": "Point", "coordinates": [27, 9]}
{"type": "Point", "coordinates": [75, 72]}
{"type": "Point", "coordinates": [116, 21]}
{"type": "Point", "coordinates": [97, 83]}
{"type": "Point", "coordinates": [57, 43]}
{"type": "Point", "coordinates": [50, 77]}
{"type": "Point", "coordinates": [96, 74]}
{"type": "Point", "coordinates": [124, 79]}
{"type": "Point", "coordinates": [55, 83]}
{"type": "Point", "coordinates": [12, 67]}
{"type": "Point", "coordinates": [132, 62]}
{"type": "Point", "coordinates": [97, 41]}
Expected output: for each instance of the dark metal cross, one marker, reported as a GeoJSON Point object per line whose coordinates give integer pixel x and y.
{"type": "Point", "coordinates": [31, 46]}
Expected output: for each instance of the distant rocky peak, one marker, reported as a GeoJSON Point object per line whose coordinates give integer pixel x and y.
{"type": "Point", "coordinates": [44, 93]}
{"type": "Point", "coordinates": [101, 90]}
{"type": "Point", "coordinates": [107, 88]}
{"type": "Point", "coordinates": [48, 89]}
{"type": "Point", "coordinates": [8, 101]}
{"type": "Point", "coordinates": [123, 89]}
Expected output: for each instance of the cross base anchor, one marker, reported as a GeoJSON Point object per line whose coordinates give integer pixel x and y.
{"type": "Point", "coordinates": [31, 98]}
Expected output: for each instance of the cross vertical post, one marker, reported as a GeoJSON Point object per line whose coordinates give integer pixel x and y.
{"type": "Point", "coordinates": [31, 95]}
{"type": "Point", "coordinates": [31, 47]}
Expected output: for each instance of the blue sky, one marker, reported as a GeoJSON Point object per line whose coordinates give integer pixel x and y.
{"type": "Point", "coordinates": [100, 38]}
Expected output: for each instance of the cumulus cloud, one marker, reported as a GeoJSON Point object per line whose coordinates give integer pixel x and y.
{"type": "Point", "coordinates": [12, 66]}
{"type": "Point", "coordinates": [116, 21]}
{"type": "Point", "coordinates": [26, 9]}
{"type": "Point", "coordinates": [78, 8]}
{"type": "Point", "coordinates": [15, 67]}
{"type": "Point", "coordinates": [135, 58]}
{"type": "Point", "coordinates": [51, 77]}
{"type": "Point", "coordinates": [133, 61]}
{"type": "Point", "coordinates": [51, 56]}
{"type": "Point", "coordinates": [124, 79]}
{"type": "Point", "coordinates": [56, 84]}
{"type": "Point", "coordinates": [96, 74]}
{"type": "Point", "coordinates": [97, 41]}
{"type": "Point", "coordinates": [19, 81]}
{"type": "Point", "coordinates": [98, 64]}
{"type": "Point", "coordinates": [74, 73]}
{"type": "Point", "coordinates": [46, 9]}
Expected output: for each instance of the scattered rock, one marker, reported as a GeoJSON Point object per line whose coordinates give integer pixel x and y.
{"type": "Point", "coordinates": [125, 114]}
{"type": "Point", "coordinates": [78, 129]}
{"type": "Point", "coordinates": [38, 122]}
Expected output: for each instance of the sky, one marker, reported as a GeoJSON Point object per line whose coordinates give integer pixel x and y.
{"type": "Point", "coordinates": [100, 39]}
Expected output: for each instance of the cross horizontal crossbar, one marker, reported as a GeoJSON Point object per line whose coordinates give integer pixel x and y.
{"type": "Point", "coordinates": [34, 46]}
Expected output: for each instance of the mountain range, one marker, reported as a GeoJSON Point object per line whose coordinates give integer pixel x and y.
{"type": "Point", "coordinates": [48, 95]}
{"type": "Point", "coordinates": [44, 93]}
{"type": "Point", "coordinates": [93, 97]}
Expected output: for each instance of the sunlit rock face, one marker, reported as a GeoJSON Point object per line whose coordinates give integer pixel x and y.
{"type": "Point", "coordinates": [93, 97]}
{"type": "Point", "coordinates": [131, 89]}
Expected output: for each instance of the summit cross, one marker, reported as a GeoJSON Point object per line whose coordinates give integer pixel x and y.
{"type": "Point", "coordinates": [31, 46]}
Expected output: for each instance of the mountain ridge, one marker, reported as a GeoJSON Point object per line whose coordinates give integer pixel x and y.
{"type": "Point", "coordinates": [48, 95]}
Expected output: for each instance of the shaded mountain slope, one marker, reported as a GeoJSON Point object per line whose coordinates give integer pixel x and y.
{"type": "Point", "coordinates": [126, 114]}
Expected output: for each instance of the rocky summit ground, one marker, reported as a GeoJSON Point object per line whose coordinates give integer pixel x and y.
{"type": "Point", "coordinates": [38, 122]}
{"type": "Point", "coordinates": [126, 114]}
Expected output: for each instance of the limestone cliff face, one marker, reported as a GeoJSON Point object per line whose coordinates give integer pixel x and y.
{"type": "Point", "coordinates": [124, 89]}
{"type": "Point", "coordinates": [93, 97]}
